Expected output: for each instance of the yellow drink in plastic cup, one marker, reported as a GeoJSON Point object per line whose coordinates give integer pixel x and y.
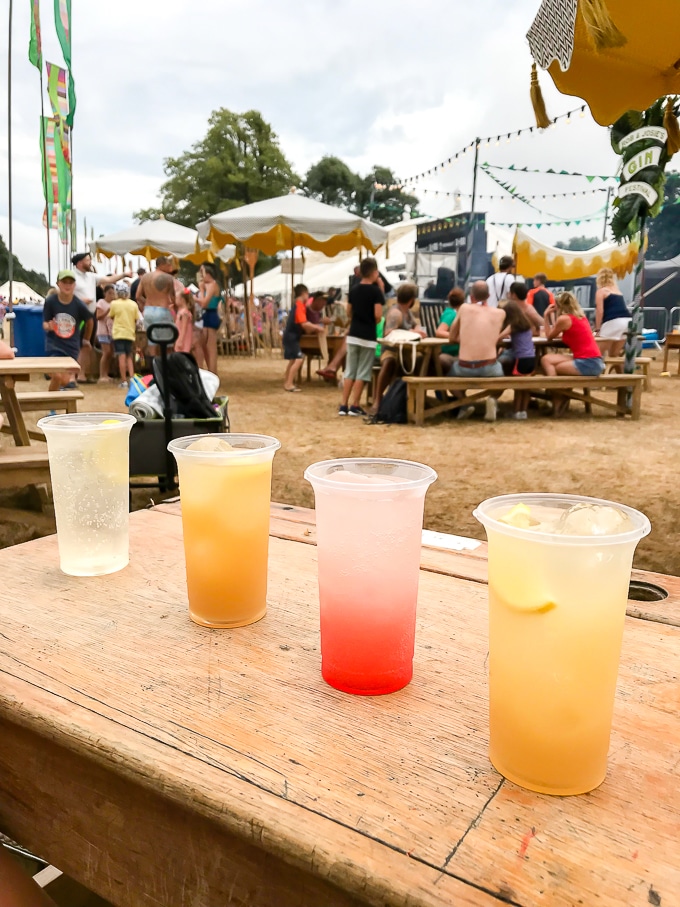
{"type": "Point", "coordinates": [225, 494]}
{"type": "Point", "coordinates": [559, 571]}
{"type": "Point", "coordinates": [89, 457]}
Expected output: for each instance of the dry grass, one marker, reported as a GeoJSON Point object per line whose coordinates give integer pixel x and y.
{"type": "Point", "coordinates": [635, 463]}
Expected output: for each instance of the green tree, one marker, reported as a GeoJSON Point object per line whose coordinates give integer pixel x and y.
{"type": "Point", "coordinates": [332, 182]}
{"type": "Point", "coordinates": [237, 162]}
{"type": "Point", "coordinates": [380, 197]}
{"type": "Point", "coordinates": [578, 243]}
{"type": "Point", "coordinates": [34, 279]}
{"type": "Point", "coordinates": [664, 230]}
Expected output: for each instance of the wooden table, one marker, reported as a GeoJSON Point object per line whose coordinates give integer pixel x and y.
{"type": "Point", "coordinates": [429, 349]}
{"type": "Point", "coordinates": [166, 765]}
{"type": "Point", "coordinates": [309, 344]}
{"type": "Point", "coordinates": [672, 343]}
{"type": "Point", "coordinates": [21, 369]}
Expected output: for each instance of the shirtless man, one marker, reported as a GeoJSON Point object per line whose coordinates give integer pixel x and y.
{"type": "Point", "coordinates": [155, 298]}
{"type": "Point", "coordinates": [477, 329]}
{"type": "Point", "coordinates": [148, 295]}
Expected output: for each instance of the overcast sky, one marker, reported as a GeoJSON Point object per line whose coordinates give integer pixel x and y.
{"type": "Point", "coordinates": [386, 82]}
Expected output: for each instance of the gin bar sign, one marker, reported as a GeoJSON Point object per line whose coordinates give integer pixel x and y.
{"type": "Point", "coordinates": [650, 157]}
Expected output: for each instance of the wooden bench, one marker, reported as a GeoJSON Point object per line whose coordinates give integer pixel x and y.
{"type": "Point", "coordinates": [37, 401]}
{"type": "Point", "coordinates": [642, 365]}
{"type": "Point", "coordinates": [573, 387]}
{"type": "Point", "coordinates": [43, 401]}
{"type": "Point", "coordinates": [23, 466]}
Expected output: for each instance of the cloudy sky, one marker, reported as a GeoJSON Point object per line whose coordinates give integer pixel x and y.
{"type": "Point", "coordinates": [385, 82]}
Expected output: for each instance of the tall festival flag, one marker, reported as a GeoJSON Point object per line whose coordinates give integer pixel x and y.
{"type": "Point", "coordinates": [62, 17]}
{"type": "Point", "coordinates": [35, 43]}
{"type": "Point", "coordinates": [58, 95]}
{"type": "Point", "coordinates": [56, 179]}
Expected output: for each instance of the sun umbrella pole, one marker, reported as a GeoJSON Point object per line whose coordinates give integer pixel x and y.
{"type": "Point", "coordinates": [633, 337]}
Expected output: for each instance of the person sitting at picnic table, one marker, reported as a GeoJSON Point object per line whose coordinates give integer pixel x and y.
{"type": "Point", "coordinates": [540, 297]}
{"type": "Point", "coordinates": [296, 324]}
{"type": "Point", "coordinates": [315, 315]}
{"type": "Point", "coordinates": [518, 294]}
{"type": "Point", "coordinates": [449, 352]}
{"type": "Point", "coordinates": [477, 329]}
{"type": "Point", "coordinates": [518, 328]}
{"type": "Point", "coordinates": [566, 319]}
{"type": "Point", "coordinates": [398, 317]}
{"type": "Point", "coordinates": [612, 317]}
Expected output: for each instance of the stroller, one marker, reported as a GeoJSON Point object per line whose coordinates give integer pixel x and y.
{"type": "Point", "coordinates": [186, 409]}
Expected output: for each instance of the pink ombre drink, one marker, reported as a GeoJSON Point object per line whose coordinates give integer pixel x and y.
{"type": "Point", "coordinates": [369, 517]}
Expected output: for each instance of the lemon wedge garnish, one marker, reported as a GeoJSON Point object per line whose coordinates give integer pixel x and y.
{"type": "Point", "coordinates": [519, 516]}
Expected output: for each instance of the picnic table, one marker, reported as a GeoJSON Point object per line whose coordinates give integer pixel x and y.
{"type": "Point", "coordinates": [309, 344]}
{"type": "Point", "coordinates": [158, 762]}
{"type": "Point", "coordinates": [21, 369]}
{"type": "Point", "coordinates": [672, 343]}
{"type": "Point", "coordinates": [428, 348]}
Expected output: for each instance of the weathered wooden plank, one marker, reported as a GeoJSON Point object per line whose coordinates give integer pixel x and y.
{"type": "Point", "coordinates": [373, 795]}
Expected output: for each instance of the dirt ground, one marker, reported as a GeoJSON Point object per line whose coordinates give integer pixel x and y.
{"type": "Point", "coordinates": [599, 455]}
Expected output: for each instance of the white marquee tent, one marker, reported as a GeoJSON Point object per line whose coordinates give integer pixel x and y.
{"type": "Point", "coordinates": [21, 291]}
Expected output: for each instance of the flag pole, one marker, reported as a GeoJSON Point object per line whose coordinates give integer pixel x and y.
{"type": "Point", "coordinates": [10, 261]}
{"type": "Point", "coordinates": [44, 157]}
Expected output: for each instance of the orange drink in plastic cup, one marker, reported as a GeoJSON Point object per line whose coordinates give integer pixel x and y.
{"type": "Point", "coordinates": [225, 491]}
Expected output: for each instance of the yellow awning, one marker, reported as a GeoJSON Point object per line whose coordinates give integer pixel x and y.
{"type": "Point", "coordinates": [612, 79]}
{"type": "Point", "coordinates": [281, 238]}
{"type": "Point", "coordinates": [533, 257]}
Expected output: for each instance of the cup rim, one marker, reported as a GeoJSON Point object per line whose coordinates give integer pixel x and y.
{"type": "Point", "coordinates": [178, 446]}
{"type": "Point", "coordinates": [313, 475]}
{"type": "Point", "coordinates": [78, 421]}
{"type": "Point", "coordinates": [642, 526]}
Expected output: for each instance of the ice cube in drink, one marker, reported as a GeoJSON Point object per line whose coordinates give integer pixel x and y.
{"type": "Point", "coordinates": [559, 569]}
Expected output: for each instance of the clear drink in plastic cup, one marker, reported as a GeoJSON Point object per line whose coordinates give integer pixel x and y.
{"type": "Point", "coordinates": [225, 488]}
{"type": "Point", "coordinates": [559, 571]}
{"type": "Point", "coordinates": [90, 470]}
{"type": "Point", "coordinates": [369, 521]}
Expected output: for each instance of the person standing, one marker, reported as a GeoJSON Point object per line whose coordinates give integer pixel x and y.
{"type": "Point", "coordinates": [104, 328]}
{"type": "Point", "coordinates": [612, 317]}
{"type": "Point", "coordinates": [297, 323]}
{"type": "Point", "coordinates": [185, 323]}
{"type": "Point", "coordinates": [500, 282]}
{"type": "Point", "coordinates": [136, 282]}
{"type": "Point", "coordinates": [86, 285]}
{"type": "Point", "coordinates": [209, 298]}
{"type": "Point", "coordinates": [63, 313]}
{"type": "Point", "coordinates": [366, 301]}
{"type": "Point", "coordinates": [125, 315]}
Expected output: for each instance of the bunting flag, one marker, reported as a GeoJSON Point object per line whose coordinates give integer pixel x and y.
{"type": "Point", "coordinates": [58, 95]}
{"type": "Point", "coordinates": [62, 18]}
{"type": "Point", "coordinates": [35, 42]}
{"type": "Point", "coordinates": [590, 178]}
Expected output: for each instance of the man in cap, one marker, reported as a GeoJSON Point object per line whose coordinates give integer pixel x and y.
{"type": "Point", "coordinates": [86, 283]}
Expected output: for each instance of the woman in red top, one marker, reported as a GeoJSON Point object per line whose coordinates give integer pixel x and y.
{"type": "Point", "coordinates": [567, 319]}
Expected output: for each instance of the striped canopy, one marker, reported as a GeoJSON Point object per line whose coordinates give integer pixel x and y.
{"type": "Point", "coordinates": [152, 239]}
{"type": "Point", "coordinates": [281, 224]}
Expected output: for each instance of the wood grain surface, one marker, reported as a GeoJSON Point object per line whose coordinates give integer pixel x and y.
{"type": "Point", "coordinates": [36, 365]}
{"type": "Point", "coordinates": [161, 763]}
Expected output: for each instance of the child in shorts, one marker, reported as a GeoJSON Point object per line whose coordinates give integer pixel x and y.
{"type": "Point", "coordinates": [125, 315]}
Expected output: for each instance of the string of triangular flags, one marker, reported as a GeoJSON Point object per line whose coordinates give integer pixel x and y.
{"type": "Point", "coordinates": [513, 191]}
{"type": "Point", "coordinates": [550, 172]}
{"type": "Point", "coordinates": [460, 195]}
{"type": "Point", "coordinates": [550, 223]}
{"type": "Point", "coordinates": [489, 140]}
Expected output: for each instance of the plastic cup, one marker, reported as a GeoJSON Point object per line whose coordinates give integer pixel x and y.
{"type": "Point", "coordinates": [225, 499]}
{"type": "Point", "coordinates": [89, 457]}
{"type": "Point", "coordinates": [369, 521]}
{"type": "Point", "coordinates": [557, 605]}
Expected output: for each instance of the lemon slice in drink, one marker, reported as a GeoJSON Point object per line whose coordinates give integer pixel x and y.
{"type": "Point", "coordinates": [520, 517]}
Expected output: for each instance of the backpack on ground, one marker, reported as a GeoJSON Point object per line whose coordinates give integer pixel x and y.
{"type": "Point", "coordinates": [392, 409]}
{"type": "Point", "coordinates": [187, 394]}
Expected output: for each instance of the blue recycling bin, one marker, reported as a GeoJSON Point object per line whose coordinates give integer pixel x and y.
{"type": "Point", "coordinates": [29, 336]}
